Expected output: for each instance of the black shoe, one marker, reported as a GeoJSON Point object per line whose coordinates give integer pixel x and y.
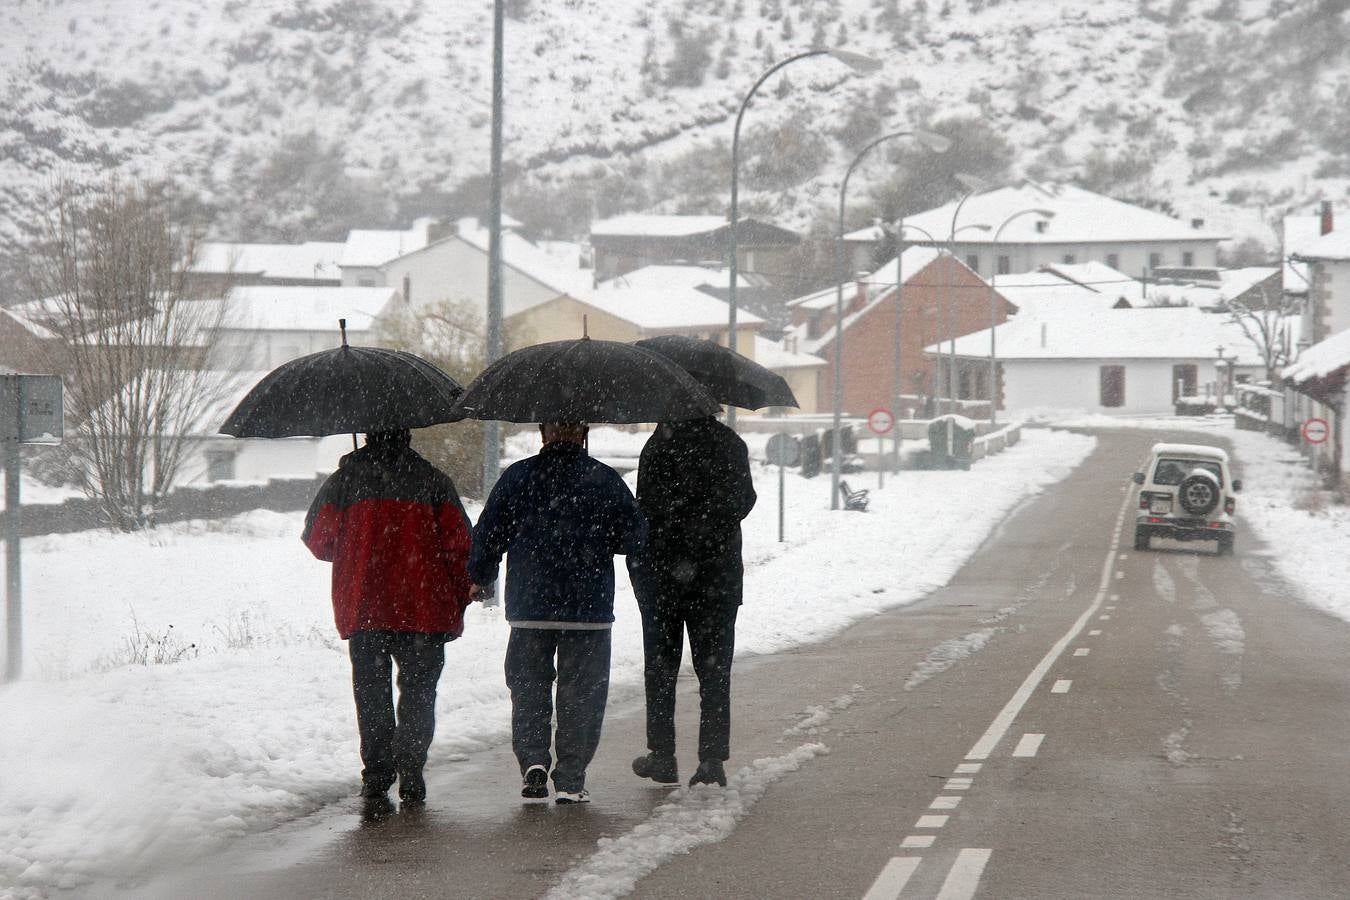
{"type": "Point", "coordinates": [376, 809]}
{"type": "Point", "coordinates": [535, 786]}
{"type": "Point", "coordinates": [374, 791]}
{"type": "Point", "coordinates": [709, 772]}
{"type": "Point", "coordinates": [412, 788]}
{"type": "Point", "coordinates": [566, 797]}
{"type": "Point", "coordinates": [659, 767]}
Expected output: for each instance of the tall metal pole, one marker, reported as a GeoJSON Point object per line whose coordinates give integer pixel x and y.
{"type": "Point", "coordinates": [993, 310]}
{"type": "Point", "coordinates": [947, 303]}
{"type": "Point", "coordinates": [856, 62]}
{"type": "Point", "coordinates": [10, 434]}
{"type": "Point", "coordinates": [492, 432]}
{"type": "Point", "coordinates": [898, 376]}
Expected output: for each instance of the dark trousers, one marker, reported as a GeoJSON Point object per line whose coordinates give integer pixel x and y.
{"type": "Point", "coordinates": [390, 746]}
{"type": "Point", "coordinates": [582, 674]}
{"type": "Point", "coordinates": [701, 597]}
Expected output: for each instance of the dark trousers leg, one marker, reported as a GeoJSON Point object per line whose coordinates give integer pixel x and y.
{"type": "Point", "coordinates": [662, 647]}
{"type": "Point", "coordinates": [583, 689]}
{"type": "Point", "coordinates": [420, 660]}
{"type": "Point", "coordinates": [372, 687]}
{"type": "Point", "coordinates": [529, 677]}
{"type": "Point", "coordinates": [712, 644]}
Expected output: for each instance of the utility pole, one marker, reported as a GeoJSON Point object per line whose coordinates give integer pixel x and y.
{"type": "Point", "coordinates": [492, 446]}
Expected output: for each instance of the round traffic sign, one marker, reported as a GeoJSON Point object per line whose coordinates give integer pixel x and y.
{"type": "Point", "coordinates": [783, 450]}
{"type": "Point", "coordinates": [881, 420]}
{"type": "Point", "coordinates": [1315, 431]}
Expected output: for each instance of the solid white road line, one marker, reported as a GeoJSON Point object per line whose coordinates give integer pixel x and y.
{"type": "Point", "coordinates": [1062, 686]}
{"type": "Point", "coordinates": [893, 878]}
{"type": "Point", "coordinates": [1028, 745]}
{"type": "Point", "coordinates": [931, 821]}
{"type": "Point", "coordinates": [945, 803]}
{"type": "Point", "coordinates": [964, 878]}
{"type": "Point", "coordinates": [1003, 721]}
{"type": "Point", "coordinates": [917, 841]}
{"type": "Point", "coordinates": [1082, 651]}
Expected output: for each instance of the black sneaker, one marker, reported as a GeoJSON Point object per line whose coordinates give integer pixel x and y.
{"type": "Point", "coordinates": [535, 785]}
{"type": "Point", "coordinates": [659, 767]}
{"type": "Point", "coordinates": [566, 797]}
{"type": "Point", "coordinates": [412, 788]}
{"type": "Point", "coordinates": [709, 772]}
{"type": "Point", "coordinates": [373, 791]}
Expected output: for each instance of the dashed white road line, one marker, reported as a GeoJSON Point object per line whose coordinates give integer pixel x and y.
{"type": "Point", "coordinates": [1062, 686]}
{"type": "Point", "coordinates": [1082, 651]}
{"type": "Point", "coordinates": [969, 768]}
{"type": "Point", "coordinates": [1028, 745]}
{"type": "Point", "coordinates": [964, 878]}
{"type": "Point", "coordinates": [893, 878]}
{"type": "Point", "coordinates": [931, 821]}
{"type": "Point", "coordinates": [943, 802]}
{"type": "Point", "coordinates": [1094, 632]}
{"type": "Point", "coordinates": [917, 841]}
{"type": "Point", "coordinates": [958, 784]}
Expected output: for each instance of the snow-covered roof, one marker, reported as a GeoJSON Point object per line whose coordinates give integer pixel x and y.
{"type": "Point", "coordinates": [368, 248]}
{"type": "Point", "coordinates": [643, 225]}
{"type": "Point", "coordinates": [37, 330]}
{"type": "Point", "coordinates": [774, 355]}
{"type": "Point", "coordinates": [1088, 286]}
{"type": "Point", "coordinates": [664, 307]}
{"type": "Point", "coordinates": [1081, 216]}
{"type": "Point", "coordinates": [1202, 450]}
{"type": "Point", "coordinates": [672, 276]}
{"type": "Point", "coordinates": [1143, 333]}
{"type": "Point", "coordinates": [1299, 231]}
{"type": "Point", "coordinates": [1333, 246]}
{"type": "Point", "coordinates": [278, 308]}
{"type": "Point", "coordinates": [312, 259]}
{"type": "Point", "coordinates": [1230, 284]}
{"type": "Point", "coordinates": [546, 268]}
{"type": "Point", "coordinates": [1321, 359]}
{"type": "Point", "coordinates": [912, 261]}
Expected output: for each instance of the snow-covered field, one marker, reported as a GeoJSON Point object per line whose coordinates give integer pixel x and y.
{"type": "Point", "coordinates": [112, 764]}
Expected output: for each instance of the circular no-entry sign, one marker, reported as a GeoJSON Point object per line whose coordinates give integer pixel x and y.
{"type": "Point", "coordinates": [783, 450]}
{"type": "Point", "coordinates": [1315, 431]}
{"type": "Point", "coordinates": [881, 420]}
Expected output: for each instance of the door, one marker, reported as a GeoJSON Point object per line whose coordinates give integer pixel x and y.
{"type": "Point", "coordinates": [1112, 386]}
{"type": "Point", "coordinates": [1184, 381]}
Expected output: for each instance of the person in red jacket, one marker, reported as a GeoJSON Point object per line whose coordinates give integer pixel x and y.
{"type": "Point", "coordinates": [393, 526]}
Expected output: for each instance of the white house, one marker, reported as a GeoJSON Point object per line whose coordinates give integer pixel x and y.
{"type": "Point", "coordinates": [1326, 259]}
{"type": "Point", "coordinates": [1113, 361]}
{"type": "Point", "coordinates": [309, 263]}
{"type": "Point", "coordinates": [1319, 378]}
{"type": "Point", "coordinates": [1085, 227]}
{"type": "Point", "coordinates": [267, 325]}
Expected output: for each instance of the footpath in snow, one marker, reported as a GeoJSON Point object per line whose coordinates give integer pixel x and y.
{"type": "Point", "coordinates": [186, 686]}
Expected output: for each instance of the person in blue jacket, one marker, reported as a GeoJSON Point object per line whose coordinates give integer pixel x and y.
{"type": "Point", "coordinates": [560, 517]}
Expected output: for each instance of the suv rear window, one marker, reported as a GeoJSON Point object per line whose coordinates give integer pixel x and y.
{"type": "Point", "coordinates": [1173, 471]}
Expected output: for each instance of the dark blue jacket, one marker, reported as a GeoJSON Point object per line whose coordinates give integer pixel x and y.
{"type": "Point", "coordinates": [561, 517]}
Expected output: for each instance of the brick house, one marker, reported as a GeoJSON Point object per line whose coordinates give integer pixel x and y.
{"type": "Point", "coordinates": [938, 282]}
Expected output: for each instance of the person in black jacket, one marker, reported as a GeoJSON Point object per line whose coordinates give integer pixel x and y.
{"type": "Point", "coordinates": [561, 517]}
{"type": "Point", "coordinates": [694, 487]}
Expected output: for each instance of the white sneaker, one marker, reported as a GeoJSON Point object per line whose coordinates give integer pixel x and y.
{"type": "Point", "coordinates": [573, 797]}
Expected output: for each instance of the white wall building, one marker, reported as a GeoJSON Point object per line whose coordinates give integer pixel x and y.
{"type": "Point", "coordinates": [1085, 227]}
{"type": "Point", "coordinates": [267, 325]}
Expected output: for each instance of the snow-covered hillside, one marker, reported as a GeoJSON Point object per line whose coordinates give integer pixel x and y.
{"type": "Point", "coordinates": [261, 104]}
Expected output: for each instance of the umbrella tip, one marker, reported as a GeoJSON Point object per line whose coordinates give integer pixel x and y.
{"type": "Point", "coordinates": [585, 328]}
{"type": "Point", "coordinates": [342, 325]}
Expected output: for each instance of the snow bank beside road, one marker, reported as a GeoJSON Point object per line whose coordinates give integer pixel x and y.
{"type": "Point", "coordinates": [112, 768]}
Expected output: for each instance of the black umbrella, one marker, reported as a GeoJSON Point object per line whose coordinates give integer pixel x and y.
{"type": "Point", "coordinates": [347, 390]}
{"type": "Point", "coordinates": [728, 376]}
{"type": "Point", "coordinates": [586, 381]}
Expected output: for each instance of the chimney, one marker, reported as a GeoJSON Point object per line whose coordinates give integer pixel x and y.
{"type": "Point", "coordinates": [438, 229]}
{"type": "Point", "coordinates": [1197, 224]}
{"type": "Point", "coordinates": [407, 289]}
{"type": "Point", "coordinates": [1328, 221]}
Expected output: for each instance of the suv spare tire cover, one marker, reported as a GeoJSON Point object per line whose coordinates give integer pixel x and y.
{"type": "Point", "coordinates": [1198, 492]}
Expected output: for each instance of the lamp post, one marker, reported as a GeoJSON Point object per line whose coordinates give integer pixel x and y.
{"type": "Point", "coordinates": [949, 325]}
{"type": "Point", "coordinates": [492, 447]}
{"type": "Point", "coordinates": [855, 61]}
{"type": "Point", "coordinates": [935, 142]}
{"type": "Point", "coordinates": [898, 376]}
{"type": "Point", "coordinates": [993, 311]}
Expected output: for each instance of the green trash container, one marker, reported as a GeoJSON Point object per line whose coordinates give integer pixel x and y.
{"type": "Point", "coordinates": [939, 454]}
{"type": "Point", "coordinates": [963, 442]}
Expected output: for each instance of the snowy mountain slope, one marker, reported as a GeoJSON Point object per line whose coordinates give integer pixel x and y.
{"type": "Point", "coordinates": [1197, 102]}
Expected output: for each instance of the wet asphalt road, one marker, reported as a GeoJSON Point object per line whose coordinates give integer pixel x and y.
{"type": "Point", "coordinates": [1068, 718]}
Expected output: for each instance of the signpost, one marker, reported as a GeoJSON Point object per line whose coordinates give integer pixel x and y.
{"type": "Point", "coordinates": [783, 450]}
{"type": "Point", "coordinates": [1316, 431]}
{"type": "Point", "coordinates": [30, 413]}
{"type": "Point", "coordinates": [881, 421]}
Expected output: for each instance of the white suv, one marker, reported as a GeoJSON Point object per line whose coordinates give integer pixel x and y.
{"type": "Point", "coordinates": [1186, 494]}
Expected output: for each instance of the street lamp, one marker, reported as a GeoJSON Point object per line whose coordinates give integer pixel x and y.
{"type": "Point", "coordinates": [938, 144]}
{"type": "Point", "coordinates": [993, 312]}
{"type": "Point", "coordinates": [897, 376]}
{"type": "Point", "coordinates": [855, 61]}
{"type": "Point", "coordinates": [492, 447]}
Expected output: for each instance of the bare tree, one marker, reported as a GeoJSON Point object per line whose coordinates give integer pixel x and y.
{"type": "Point", "coordinates": [1266, 325]}
{"type": "Point", "coordinates": [110, 271]}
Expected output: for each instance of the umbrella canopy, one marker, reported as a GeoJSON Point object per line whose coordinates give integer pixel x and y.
{"type": "Point", "coordinates": [728, 376]}
{"type": "Point", "coordinates": [347, 390]}
{"type": "Point", "coordinates": [586, 381]}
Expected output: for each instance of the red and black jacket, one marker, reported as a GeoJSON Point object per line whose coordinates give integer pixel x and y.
{"type": "Point", "coordinates": [393, 527]}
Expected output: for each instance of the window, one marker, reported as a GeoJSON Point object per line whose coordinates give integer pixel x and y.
{"type": "Point", "coordinates": [1171, 472]}
{"type": "Point", "coordinates": [1069, 259]}
{"type": "Point", "coordinates": [1112, 386]}
{"type": "Point", "coordinates": [1154, 260]}
{"type": "Point", "coordinates": [973, 260]}
{"type": "Point", "coordinates": [1184, 380]}
{"type": "Point", "coordinates": [1113, 260]}
{"type": "Point", "coordinates": [1187, 258]}
{"type": "Point", "coordinates": [1004, 264]}
{"type": "Point", "coordinates": [219, 465]}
